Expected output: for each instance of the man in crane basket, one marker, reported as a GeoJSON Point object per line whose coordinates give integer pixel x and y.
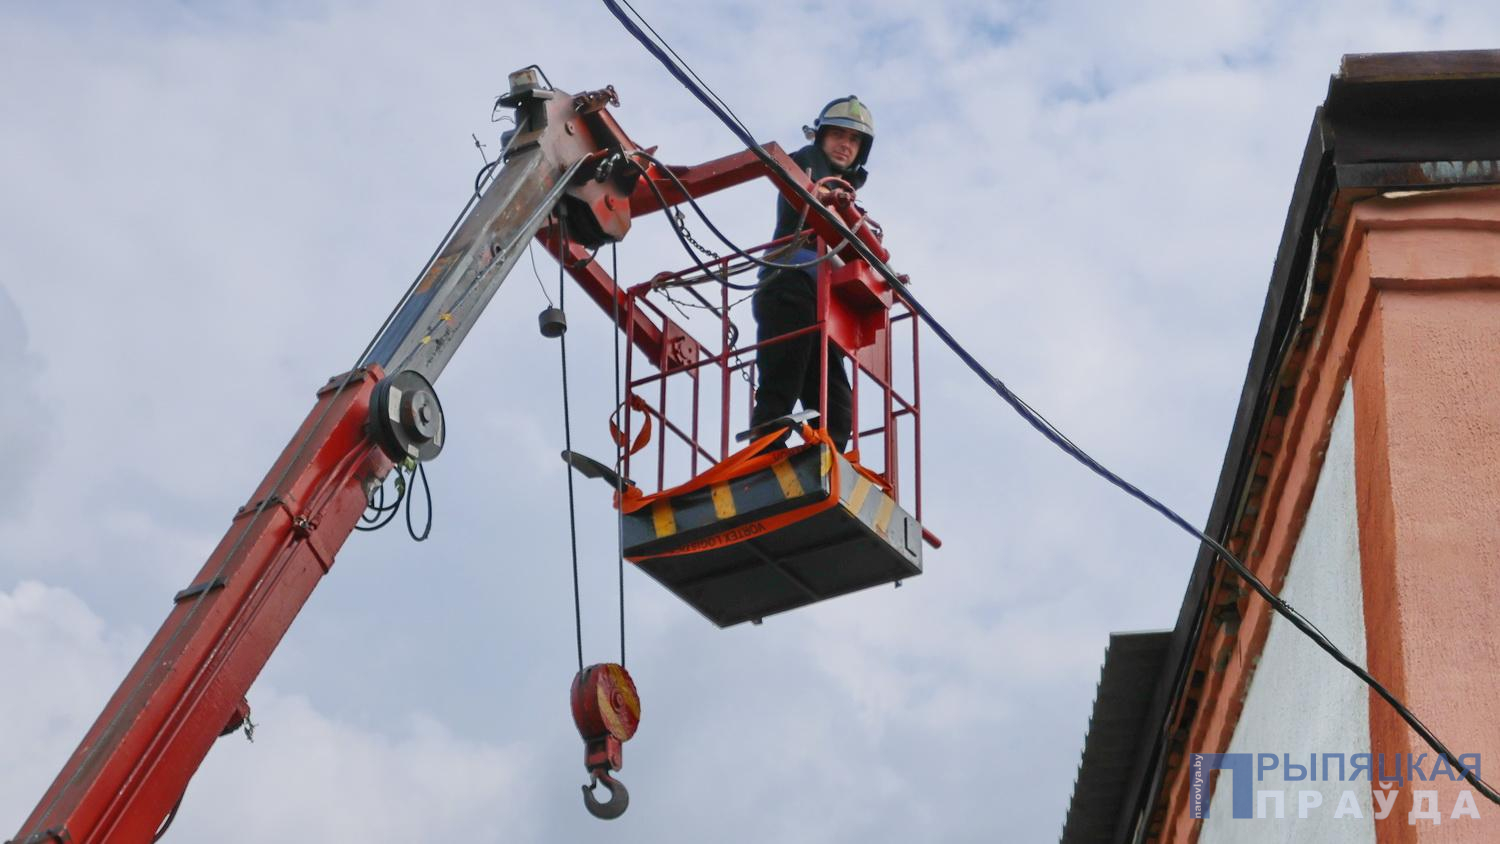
{"type": "Point", "coordinates": [787, 296]}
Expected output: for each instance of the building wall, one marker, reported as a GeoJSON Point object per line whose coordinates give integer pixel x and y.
{"type": "Point", "coordinates": [1427, 413]}
{"type": "Point", "coordinates": [1300, 702]}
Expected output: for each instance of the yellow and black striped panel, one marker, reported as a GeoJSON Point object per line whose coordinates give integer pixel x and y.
{"type": "Point", "coordinates": [737, 569]}
{"type": "Point", "coordinates": [866, 501]}
{"type": "Point", "coordinates": [725, 561]}
{"type": "Point", "coordinates": [668, 524]}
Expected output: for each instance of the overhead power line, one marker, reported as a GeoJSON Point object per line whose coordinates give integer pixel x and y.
{"type": "Point", "coordinates": [674, 64]}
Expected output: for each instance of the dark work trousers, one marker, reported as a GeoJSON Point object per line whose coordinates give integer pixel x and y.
{"type": "Point", "coordinates": [789, 370]}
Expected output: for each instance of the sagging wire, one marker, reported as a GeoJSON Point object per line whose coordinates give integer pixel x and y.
{"type": "Point", "coordinates": [730, 269]}
{"type": "Point", "coordinates": [715, 104]}
{"type": "Point", "coordinates": [686, 247]}
{"type": "Point", "coordinates": [535, 272]}
{"type": "Point", "coordinates": [404, 478]}
{"type": "Point", "coordinates": [693, 203]}
{"type": "Point", "coordinates": [427, 493]}
{"type": "Point", "coordinates": [712, 308]}
{"type": "Point", "coordinates": [489, 166]}
{"type": "Point", "coordinates": [679, 228]}
{"type": "Point", "coordinates": [683, 239]}
{"type": "Point", "coordinates": [678, 305]}
{"type": "Point", "coordinates": [377, 513]}
{"type": "Point", "coordinates": [678, 223]}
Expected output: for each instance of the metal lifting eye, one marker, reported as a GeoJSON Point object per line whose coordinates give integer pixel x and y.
{"type": "Point", "coordinates": [619, 797]}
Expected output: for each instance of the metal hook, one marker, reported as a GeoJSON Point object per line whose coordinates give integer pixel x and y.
{"type": "Point", "coordinates": [619, 797]}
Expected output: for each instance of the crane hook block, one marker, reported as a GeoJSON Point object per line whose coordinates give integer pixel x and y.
{"type": "Point", "coordinates": [607, 711]}
{"type": "Point", "coordinates": [406, 418]}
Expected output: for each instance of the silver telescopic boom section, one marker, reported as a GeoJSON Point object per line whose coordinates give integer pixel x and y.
{"type": "Point", "coordinates": [446, 303]}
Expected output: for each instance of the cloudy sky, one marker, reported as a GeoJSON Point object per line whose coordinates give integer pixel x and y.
{"type": "Point", "coordinates": [209, 207]}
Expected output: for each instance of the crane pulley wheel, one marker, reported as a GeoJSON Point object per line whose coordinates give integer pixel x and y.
{"type": "Point", "coordinates": [605, 702]}
{"type": "Point", "coordinates": [406, 418]}
{"type": "Point", "coordinates": [607, 711]}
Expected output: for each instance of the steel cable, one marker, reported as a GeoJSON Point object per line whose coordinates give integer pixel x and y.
{"type": "Point", "coordinates": [614, 256]}
{"type": "Point", "coordinates": [562, 252]}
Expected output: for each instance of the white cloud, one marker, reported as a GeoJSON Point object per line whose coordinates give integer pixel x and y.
{"type": "Point", "coordinates": [309, 774]}
{"type": "Point", "coordinates": [25, 420]}
{"type": "Point", "coordinates": [306, 773]}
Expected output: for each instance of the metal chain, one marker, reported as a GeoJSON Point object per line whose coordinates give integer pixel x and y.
{"type": "Point", "coordinates": [682, 227]}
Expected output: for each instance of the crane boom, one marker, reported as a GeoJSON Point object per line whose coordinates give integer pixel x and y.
{"type": "Point", "coordinates": [189, 685]}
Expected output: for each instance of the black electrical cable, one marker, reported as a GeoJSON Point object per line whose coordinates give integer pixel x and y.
{"type": "Point", "coordinates": [541, 73]}
{"type": "Point", "coordinates": [1044, 427]}
{"type": "Point", "coordinates": [489, 166]}
{"type": "Point", "coordinates": [420, 473]}
{"type": "Point", "coordinates": [730, 269]}
{"type": "Point", "coordinates": [562, 257]}
{"type": "Point", "coordinates": [534, 272]}
{"type": "Point", "coordinates": [662, 201]}
{"type": "Point", "coordinates": [584, 262]}
{"type": "Point", "coordinates": [720, 277]}
{"type": "Point", "coordinates": [734, 330]}
{"type": "Point", "coordinates": [379, 514]}
{"type": "Point", "coordinates": [166, 823]}
{"type": "Point", "coordinates": [680, 61]}
{"type": "Point", "coordinates": [483, 171]}
{"type": "Point", "coordinates": [376, 504]}
{"type": "Point", "coordinates": [693, 203]}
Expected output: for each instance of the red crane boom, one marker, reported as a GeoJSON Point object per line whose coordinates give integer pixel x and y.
{"type": "Point", "coordinates": [189, 685]}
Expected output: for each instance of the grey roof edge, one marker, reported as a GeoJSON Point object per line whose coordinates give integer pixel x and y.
{"type": "Point", "coordinates": [1114, 731]}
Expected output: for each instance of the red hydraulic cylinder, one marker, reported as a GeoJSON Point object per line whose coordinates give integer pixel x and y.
{"type": "Point", "coordinates": [135, 762]}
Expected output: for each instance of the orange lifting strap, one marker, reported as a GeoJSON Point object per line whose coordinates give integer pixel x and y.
{"type": "Point", "coordinates": [751, 458]}
{"type": "Point", "coordinates": [639, 405]}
